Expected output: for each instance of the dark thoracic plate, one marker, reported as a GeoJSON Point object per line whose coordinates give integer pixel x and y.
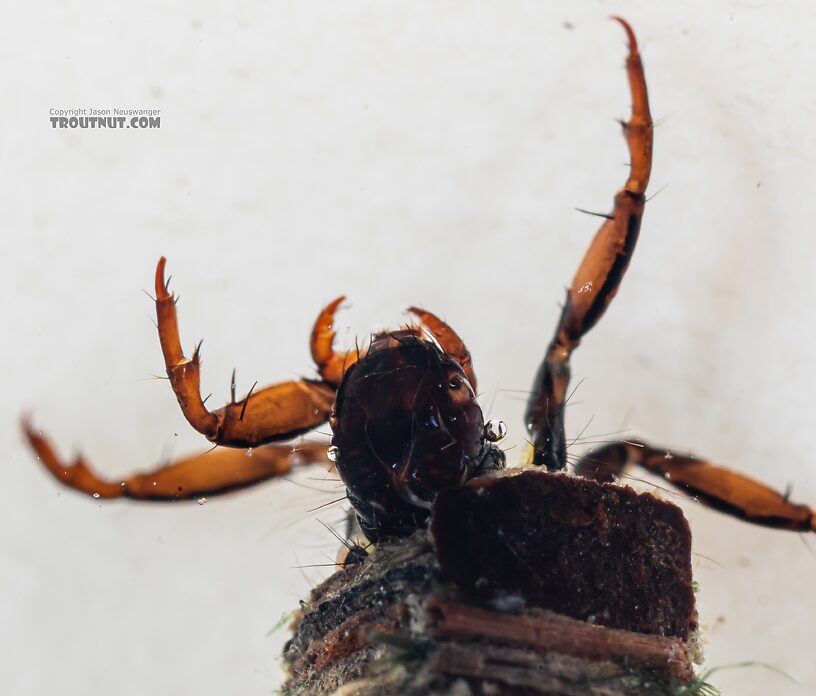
{"type": "Point", "coordinates": [597, 552]}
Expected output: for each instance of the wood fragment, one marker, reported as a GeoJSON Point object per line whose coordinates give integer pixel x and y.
{"type": "Point", "coordinates": [395, 624]}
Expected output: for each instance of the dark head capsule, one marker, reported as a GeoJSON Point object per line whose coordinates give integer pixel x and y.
{"type": "Point", "coordinates": [406, 425]}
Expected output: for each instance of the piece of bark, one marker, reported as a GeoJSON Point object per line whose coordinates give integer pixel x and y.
{"type": "Point", "coordinates": [395, 624]}
{"type": "Point", "coordinates": [597, 552]}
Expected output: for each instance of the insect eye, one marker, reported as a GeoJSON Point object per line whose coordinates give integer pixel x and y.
{"type": "Point", "coordinates": [455, 383]}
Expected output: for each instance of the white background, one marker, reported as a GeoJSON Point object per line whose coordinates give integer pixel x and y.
{"type": "Point", "coordinates": [428, 153]}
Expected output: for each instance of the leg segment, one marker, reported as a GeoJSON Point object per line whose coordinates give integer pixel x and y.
{"type": "Point", "coordinates": [278, 412]}
{"type": "Point", "coordinates": [330, 364]}
{"type": "Point", "coordinates": [712, 485]}
{"type": "Point", "coordinates": [597, 279]}
{"type": "Point", "coordinates": [449, 340]}
{"type": "Point", "coordinates": [217, 471]}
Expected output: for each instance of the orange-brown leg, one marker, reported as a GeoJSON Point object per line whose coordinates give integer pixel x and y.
{"type": "Point", "coordinates": [331, 365]}
{"type": "Point", "coordinates": [715, 486]}
{"type": "Point", "coordinates": [278, 412]}
{"type": "Point", "coordinates": [216, 471]}
{"type": "Point", "coordinates": [449, 340]}
{"type": "Point", "coordinates": [597, 279]}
